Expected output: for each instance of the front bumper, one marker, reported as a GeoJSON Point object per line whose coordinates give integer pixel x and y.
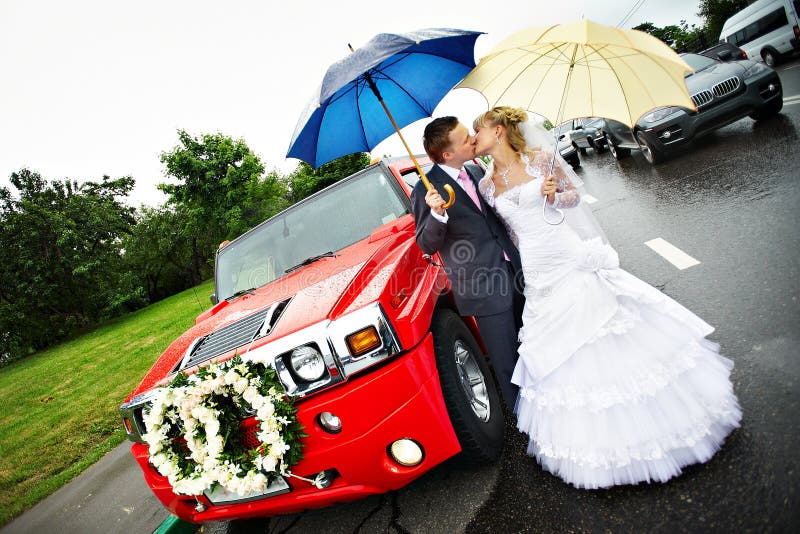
{"type": "Point", "coordinates": [401, 399]}
{"type": "Point", "coordinates": [674, 131]}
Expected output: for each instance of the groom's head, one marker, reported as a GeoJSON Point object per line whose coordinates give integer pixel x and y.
{"type": "Point", "coordinates": [448, 142]}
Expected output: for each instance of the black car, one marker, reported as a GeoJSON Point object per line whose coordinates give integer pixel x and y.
{"type": "Point", "coordinates": [723, 92]}
{"type": "Point", "coordinates": [584, 133]}
{"type": "Point", "coordinates": [569, 153]}
{"type": "Point", "coordinates": [724, 51]}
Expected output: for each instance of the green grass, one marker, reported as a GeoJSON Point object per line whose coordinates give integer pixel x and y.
{"type": "Point", "coordinates": [60, 406]}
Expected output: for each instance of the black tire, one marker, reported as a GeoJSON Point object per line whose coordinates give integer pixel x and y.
{"type": "Point", "coordinates": [466, 386]}
{"type": "Point", "coordinates": [601, 145]}
{"type": "Point", "coordinates": [770, 57]}
{"type": "Point", "coordinates": [767, 111]}
{"type": "Point", "coordinates": [618, 152]}
{"type": "Point", "coordinates": [574, 161]}
{"type": "Point", "coordinates": [650, 153]}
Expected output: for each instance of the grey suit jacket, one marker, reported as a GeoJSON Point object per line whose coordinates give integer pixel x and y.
{"type": "Point", "coordinates": [471, 243]}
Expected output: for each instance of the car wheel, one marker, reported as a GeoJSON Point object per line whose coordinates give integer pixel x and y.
{"type": "Point", "coordinates": [618, 152]}
{"type": "Point", "coordinates": [767, 111]}
{"type": "Point", "coordinates": [650, 153]}
{"type": "Point", "coordinates": [770, 57]}
{"type": "Point", "coordinates": [601, 144]}
{"type": "Point", "coordinates": [468, 388]}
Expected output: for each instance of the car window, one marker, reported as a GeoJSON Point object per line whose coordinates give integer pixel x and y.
{"type": "Point", "coordinates": [411, 177]}
{"type": "Point", "coordinates": [698, 62]}
{"type": "Point", "coordinates": [328, 221]}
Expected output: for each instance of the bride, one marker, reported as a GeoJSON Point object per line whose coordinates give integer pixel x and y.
{"type": "Point", "coordinates": [617, 382]}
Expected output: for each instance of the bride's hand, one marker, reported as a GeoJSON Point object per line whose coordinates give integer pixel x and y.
{"type": "Point", "coordinates": [549, 188]}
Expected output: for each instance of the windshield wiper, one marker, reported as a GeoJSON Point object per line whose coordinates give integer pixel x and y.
{"type": "Point", "coordinates": [251, 291]}
{"type": "Point", "coordinates": [312, 259]}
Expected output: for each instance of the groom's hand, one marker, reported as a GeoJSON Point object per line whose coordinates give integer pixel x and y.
{"type": "Point", "coordinates": [434, 201]}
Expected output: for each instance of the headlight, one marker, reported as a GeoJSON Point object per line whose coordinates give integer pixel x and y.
{"type": "Point", "coordinates": [307, 363]}
{"type": "Point", "coordinates": [660, 113]}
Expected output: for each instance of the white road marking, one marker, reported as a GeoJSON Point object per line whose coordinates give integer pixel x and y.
{"type": "Point", "coordinates": [589, 199]}
{"type": "Point", "coordinates": [671, 253]}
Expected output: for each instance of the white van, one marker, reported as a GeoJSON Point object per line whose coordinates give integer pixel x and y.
{"type": "Point", "coordinates": [768, 29]}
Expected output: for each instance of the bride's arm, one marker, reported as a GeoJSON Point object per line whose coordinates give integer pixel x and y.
{"type": "Point", "coordinates": [566, 195]}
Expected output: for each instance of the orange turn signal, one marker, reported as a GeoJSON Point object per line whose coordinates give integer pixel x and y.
{"type": "Point", "coordinates": [363, 341]}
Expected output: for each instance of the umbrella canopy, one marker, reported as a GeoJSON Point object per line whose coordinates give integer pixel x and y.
{"type": "Point", "coordinates": [408, 73]}
{"type": "Point", "coordinates": [583, 69]}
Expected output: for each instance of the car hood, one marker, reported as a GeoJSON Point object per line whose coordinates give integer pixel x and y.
{"type": "Point", "coordinates": [707, 78]}
{"type": "Point", "coordinates": [323, 290]}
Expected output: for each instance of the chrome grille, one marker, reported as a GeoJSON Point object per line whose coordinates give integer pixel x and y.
{"type": "Point", "coordinates": [234, 335]}
{"type": "Point", "coordinates": [702, 98]}
{"type": "Point", "coordinates": [726, 87]}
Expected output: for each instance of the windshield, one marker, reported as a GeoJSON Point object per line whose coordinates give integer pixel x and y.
{"type": "Point", "coordinates": [698, 62]}
{"type": "Point", "coordinates": [331, 220]}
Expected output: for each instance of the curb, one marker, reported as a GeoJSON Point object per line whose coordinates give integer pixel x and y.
{"type": "Point", "coordinates": [175, 525]}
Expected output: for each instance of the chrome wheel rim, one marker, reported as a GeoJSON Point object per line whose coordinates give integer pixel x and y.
{"type": "Point", "coordinates": [472, 381]}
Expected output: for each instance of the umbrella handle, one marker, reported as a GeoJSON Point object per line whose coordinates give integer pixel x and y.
{"type": "Point", "coordinates": [429, 186]}
{"type": "Point", "coordinates": [544, 202]}
{"type": "Point", "coordinates": [451, 194]}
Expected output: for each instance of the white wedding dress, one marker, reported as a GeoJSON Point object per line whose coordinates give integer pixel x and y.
{"type": "Point", "coordinates": [617, 382]}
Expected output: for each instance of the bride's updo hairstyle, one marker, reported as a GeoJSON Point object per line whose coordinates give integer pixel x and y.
{"type": "Point", "coordinates": [508, 117]}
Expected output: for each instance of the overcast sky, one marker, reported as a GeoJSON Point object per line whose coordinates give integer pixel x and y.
{"type": "Point", "coordinates": [100, 87]}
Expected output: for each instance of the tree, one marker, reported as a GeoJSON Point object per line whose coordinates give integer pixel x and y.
{"type": "Point", "coordinates": [215, 175]}
{"type": "Point", "coordinates": [158, 253]}
{"type": "Point", "coordinates": [716, 12]}
{"type": "Point", "coordinates": [305, 180]}
{"type": "Point", "coordinates": [61, 258]}
{"type": "Point", "coordinates": [266, 197]}
{"type": "Point", "coordinates": [682, 37]}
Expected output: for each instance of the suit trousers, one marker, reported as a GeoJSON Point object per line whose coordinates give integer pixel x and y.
{"type": "Point", "coordinates": [500, 333]}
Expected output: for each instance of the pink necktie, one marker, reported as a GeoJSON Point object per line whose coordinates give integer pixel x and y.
{"type": "Point", "coordinates": [469, 187]}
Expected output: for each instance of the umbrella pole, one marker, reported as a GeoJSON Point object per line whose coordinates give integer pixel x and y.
{"type": "Point", "coordinates": [555, 136]}
{"type": "Point", "coordinates": [428, 185]}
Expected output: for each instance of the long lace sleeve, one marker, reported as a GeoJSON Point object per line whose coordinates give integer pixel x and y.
{"type": "Point", "coordinates": [567, 195]}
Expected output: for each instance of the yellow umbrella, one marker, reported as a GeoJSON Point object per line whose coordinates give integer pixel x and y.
{"type": "Point", "coordinates": [583, 69]}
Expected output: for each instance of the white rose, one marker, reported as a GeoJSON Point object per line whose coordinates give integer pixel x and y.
{"type": "Point", "coordinates": [240, 385]}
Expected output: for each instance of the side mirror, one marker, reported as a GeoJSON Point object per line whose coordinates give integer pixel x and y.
{"type": "Point", "coordinates": [724, 55]}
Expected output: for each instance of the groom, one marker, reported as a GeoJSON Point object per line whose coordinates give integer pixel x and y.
{"type": "Point", "coordinates": [481, 261]}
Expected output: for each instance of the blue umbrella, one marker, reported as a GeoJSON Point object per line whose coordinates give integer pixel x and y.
{"type": "Point", "coordinates": [411, 71]}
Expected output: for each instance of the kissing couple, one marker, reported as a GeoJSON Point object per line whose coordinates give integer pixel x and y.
{"type": "Point", "coordinates": [613, 381]}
